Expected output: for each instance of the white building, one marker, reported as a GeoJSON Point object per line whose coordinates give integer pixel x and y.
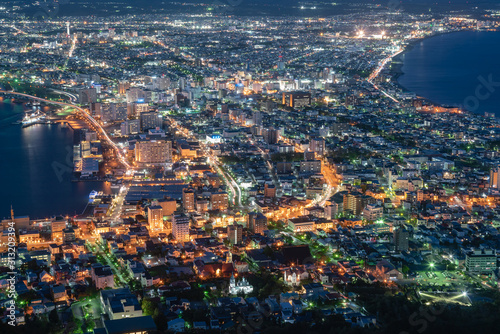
{"type": "Point", "coordinates": [241, 286]}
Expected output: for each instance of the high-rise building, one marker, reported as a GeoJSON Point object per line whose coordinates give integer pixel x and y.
{"type": "Point", "coordinates": [257, 222]}
{"type": "Point", "coordinates": [130, 127]}
{"type": "Point", "coordinates": [495, 178]}
{"type": "Point", "coordinates": [257, 118]}
{"type": "Point", "coordinates": [356, 202]}
{"type": "Point", "coordinates": [269, 190]}
{"type": "Point", "coordinates": [121, 111]}
{"type": "Point", "coordinates": [481, 261]}
{"type": "Point", "coordinates": [122, 87]}
{"type": "Point", "coordinates": [271, 135]}
{"type": "Point", "coordinates": [153, 152]}
{"type": "Point", "coordinates": [317, 145]}
{"type": "Point", "coordinates": [310, 166]}
{"type": "Point", "coordinates": [297, 99]}
{"type": "Point", "coordinates": [219, 201]}
{"type": "Point", "coordinates": [180, 227]}
{"type": "Point", "coordinates": [401, 237]}
{"type": "Point", "coordinates": [150, 120]}
{"type": "Point", "coordinates": [69, 235]}
{"type": "Point", "coordinates": [235, 233]}
{"type": "Point", "coordinates": [135, 95]}
{"type": "Point", "coordinates": [155, 218]}
{"type": "Point", "coordinates": [168, 205]}
{"type": "Point", "coordinates": [87, 95]}
{"type": "Point", "coordinates": [188, 200]}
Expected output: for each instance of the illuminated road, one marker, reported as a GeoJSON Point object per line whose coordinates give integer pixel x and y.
{"type": "Point", "coordinates": [89, 118]}
{"type": "Point", "coordinates": [328, 173]}
{"type": "Point", "coordinates": [214, 162]}
{"type": "Point", "coordinates": [70, 53]}
{"type": "Point", "coordinates": [379, 69]}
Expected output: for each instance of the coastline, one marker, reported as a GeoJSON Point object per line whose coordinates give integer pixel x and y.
{"type": "Point", "coordinates": [61, 186]}
{"type": "Point", "coordinates": [397, 63]}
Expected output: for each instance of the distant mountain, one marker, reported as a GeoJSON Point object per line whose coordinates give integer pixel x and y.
{"type": "Point", "coordinates": [252, 7]}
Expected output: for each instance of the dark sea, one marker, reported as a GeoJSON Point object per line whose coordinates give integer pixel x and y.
{"type": "Point", "coordinates": [35, 168]}
{"type": "Point", "coordinates": [456, 69]}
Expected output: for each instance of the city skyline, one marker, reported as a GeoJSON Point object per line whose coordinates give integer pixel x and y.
{"type": "Point", "coordinates": [249, 166]}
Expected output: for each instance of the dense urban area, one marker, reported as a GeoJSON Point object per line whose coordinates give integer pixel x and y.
{"type": "Point", "coordinates": [267, 174]}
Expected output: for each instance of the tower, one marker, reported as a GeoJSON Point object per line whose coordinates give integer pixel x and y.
{"type": "Point", "coordinates": [11, 213]}
{"type": "Point", "coordinates": [67, 29]}
{"type": "Point", "coordinates": [232, 283]}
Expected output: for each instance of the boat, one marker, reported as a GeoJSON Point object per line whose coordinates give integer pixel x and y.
{"type": "Point", "coordinates": [33, 118]}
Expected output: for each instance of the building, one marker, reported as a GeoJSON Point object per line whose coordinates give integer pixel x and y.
{"type": "Point", "coordinates": [180, 227]}
{"type": "Point", "coordinates": [102, 276]}
{"type": "Point", "coordinates": [386, 271]}
{"type": "Point", "coordinates": [155, 218]}
{"type": "Point", "coordinates": [87, 95]}
{"type": "Point", "coordinates": [235, 233]}
{"type": "Point", "coordinates": [318, 146]}
{"type": "Point", "coordinates": [297, 99]}
{"type": "Point", "coordinates": [483, 261]}
{"type": "Point", "coordinates": [294, 276]}
{"type": "Point", "coordinates": [120, 303]}
{"type": "Point", "coordinates": [356, 202]}
{"type": "Point", "coordinates": [310, 166]}
{"type": "Point", "coordinates": [219, 201]}
{"type": "Point", "coordinates": [130, 127]}
{"type": "Point", "coordinates": [239, 287]}
{"type": "Point", "coordinates": [168, 205]}
{"type": "Point", "coordinates": [269, 190]}
{"type": "Point", "coordinates": [176, 325]}
{"type": "Point", "coordinates": [68, 235]}
{"type": "Point", "coordinates": [301, 224]}
{"type": "Point", "coordinates": [257, 222]}
{"type": "Point", "coordinates": [401, 236]}
{"type": "Point", "coordinates": [271, 136]}
{"type": "Point", "coordinates": [58, 293]}
{"type": "Point", "coordinates": [495, 178]}
{"type": "Point", "coordinates": [373, 212]}
{"type": "Point", "coordinates": [142, 325]}
{"type": "Point", "coordinates": [153, 152]}
{"type": "Point", "coordinates": [188, 200]}
{"type": "Point", "coordinates": [151, 120]}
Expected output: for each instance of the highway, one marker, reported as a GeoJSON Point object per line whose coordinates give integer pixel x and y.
{"type": "Point", "coordinates": [379, 69]}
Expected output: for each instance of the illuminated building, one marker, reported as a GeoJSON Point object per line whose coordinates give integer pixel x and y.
{"type": "Point", "coordinates": [257, 222]}
{"type": "Point", "coordinates": [483, 261]}
{"type": "Point", "coordinates": [154, 152]}
{"type": "Point", "coordinates": [297, 99]}
{"type": "Point", "coordinates": [150, 120]}
{"type": "Point", "coordinates": [219, 201]}
{"type": "Point", "coordinates": [155, 218]}
{"type": "Point", "coordinates": [235, 233]}
{"type": "Point", "coordinates": [180, 227]}
{"type": "Point", "coordinates": [239, 287]}
{"type": "Point", "coordinates": [494, 178]}
{"type": "Point", "coordinates": [188, 200]}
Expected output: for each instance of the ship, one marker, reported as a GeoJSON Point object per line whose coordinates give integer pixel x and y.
{"type": "Point", "coordinates": [33, 118]}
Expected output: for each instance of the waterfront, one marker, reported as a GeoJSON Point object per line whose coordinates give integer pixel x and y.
{"type": "Point", "coordinates": [447, 69]}
{"type": "Point", "coordinates": [36, 168]}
